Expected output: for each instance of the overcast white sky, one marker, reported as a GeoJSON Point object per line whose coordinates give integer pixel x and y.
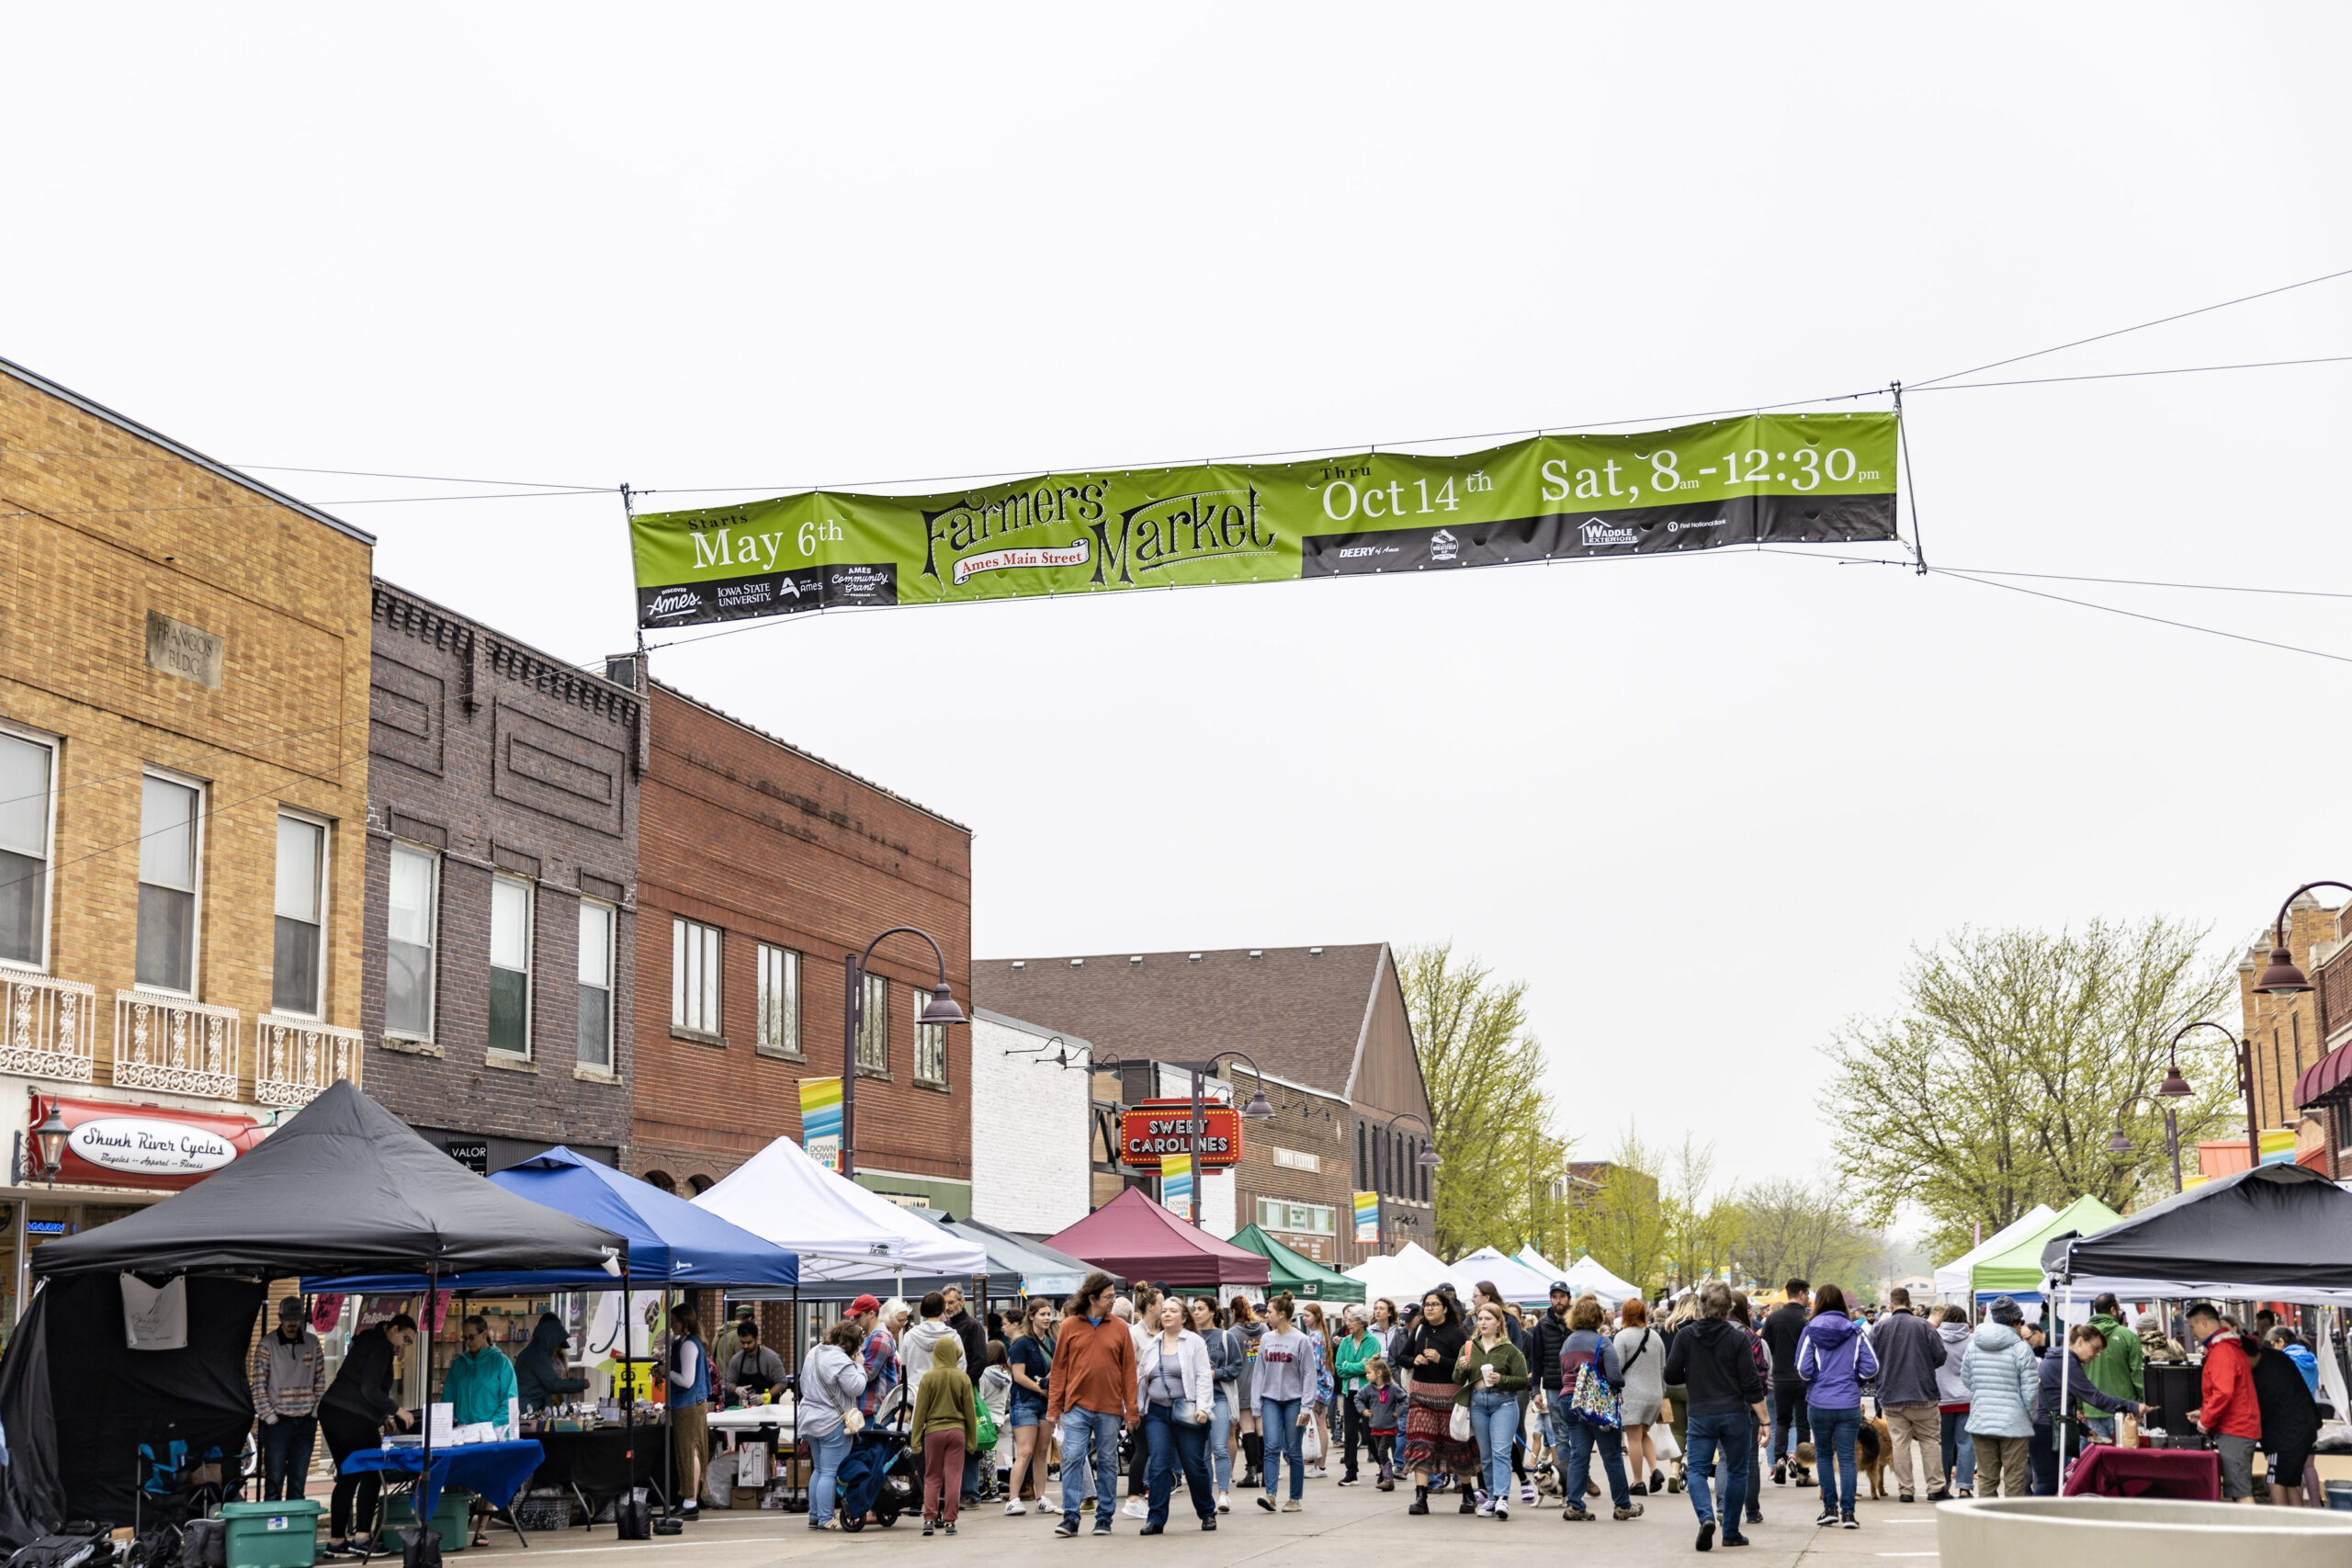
{"type": "Point", "coordinates": [1702, 804]}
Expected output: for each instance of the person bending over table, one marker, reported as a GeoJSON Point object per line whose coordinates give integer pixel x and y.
{"type": "Point", "coordinates": [356, 1413]}
{"type": "Point", "coordinates": [753, 1368]}
{"type": "Point", "coordinates": [539, 1371]}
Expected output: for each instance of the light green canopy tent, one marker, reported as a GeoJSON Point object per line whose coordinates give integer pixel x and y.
{"type": "Point", "coordinates": [1299, 1274]}
{"type": "Point", "coordinates": [2015, 1269]}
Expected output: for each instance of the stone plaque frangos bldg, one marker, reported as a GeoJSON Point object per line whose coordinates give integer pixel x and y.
{"type": "Point", "coordinates": [177, 648]}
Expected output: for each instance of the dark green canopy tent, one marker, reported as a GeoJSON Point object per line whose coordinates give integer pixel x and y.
{"type": "Point", "coordinates": [1297, 1273]}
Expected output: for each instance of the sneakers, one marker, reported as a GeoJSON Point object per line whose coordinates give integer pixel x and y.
{"type": "Point", "coordinates": [1102, 1526]}
{"type": "Point", "coordinates": [1266, 1501]}
{"type": "Point", "coordinates": [1502, 1510]}
{"type": "Point", "coordinates": [950, 1526]}
{"type": "Point", "coordinates": [1847, 1522]}
{"type": "Point", "coordinates": [1315, 1472]}
{"type": "Point", "coordinates": [1208, 1524]}
{"type": "Point", "coordinates": [1941, 1495]}
{"type": "Point", "coordinates": [1486, 1510]}
{"type": "Point", "coordinates": [1630, 1511]}
{"type": "Point", "coordinates": [1150, 1528]}
{"type": "Point", "coordinates": [1225, 1501]}
{"type": "Point", "coordinates": [1067, 1527]}
{"type": "Point", "coordinates": [1828, 1519]}
{"type": "Point", "coordinates": [1014, 1507]}
{"type": "Point", "coordinates": [1527, 1493]}
{"type": "Point", "coordinates": [926, 1524]}
{"type": "Point", "coordinates": [1706, 1535]}
{"type": "Point", "coordinates": [1736, 1540]}
{"type": "Point", "coordinates": [1290, 1506]}
{"type": "Point", "coordinates": [1575, 1514]}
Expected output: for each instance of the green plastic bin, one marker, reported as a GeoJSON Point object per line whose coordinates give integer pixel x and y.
{"type": "Point", "coordinates": [452, 1516]}
{"type": "Point", "coordinates": [271, 1535]}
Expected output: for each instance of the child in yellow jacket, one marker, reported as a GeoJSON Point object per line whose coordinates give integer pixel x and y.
{"type": "Point", "coordinates": [947, 1423]}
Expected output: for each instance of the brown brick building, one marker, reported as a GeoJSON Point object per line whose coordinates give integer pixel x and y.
{"type": "Point", "coordinates": [499, 957]}
{"type": "Point", "coordinates": [760, 870]}
{"type": "Point", "coordinates": [2286, 1033]}
{"type": "Point", "coordinates": [2304, 1068]}
{"type": "Point", "coordinates": [183, 799]}
{"type": "Point", "coordinates": [1326, 1025]}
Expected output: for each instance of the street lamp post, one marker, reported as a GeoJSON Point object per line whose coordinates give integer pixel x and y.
{"type": "Point", "coordinates": [2120, 1142]}
{"type": "Point", "coordinates": [940, 1011]}
{"type": "Point", "coordinates": [1427, 1159]}
{"type": "Point", "coordinates": [2281, 979]}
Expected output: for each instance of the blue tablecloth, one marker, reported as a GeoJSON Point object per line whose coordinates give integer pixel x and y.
{"type": "Point", "coordinates": [494, 1472]}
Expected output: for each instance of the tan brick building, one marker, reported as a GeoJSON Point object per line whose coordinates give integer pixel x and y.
{"type": "Point", "coordinates": [2285, 1034]}
{"type": "Point", "coordinates": [184, 657]}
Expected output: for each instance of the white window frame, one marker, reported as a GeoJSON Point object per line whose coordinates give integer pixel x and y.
{"type": "Point", "coordinates": [612, 985]}
{"type": "Point", "coordinates": [1273, 1215]}
{"type": "Point", "coordinates": [54, 746]}
{"type": "Point", "coordinates": [930, 1039]}
{"type": "Point", "coordinates": [683, 932]}
{"type": "Point", "coordinates": [776, 965]}
{"type": "Point", "coordinates": [873, 1027]}
{"type": "Point", "coordinates": [327, 872]}
{"type": "Point", "coordinates": [432, 857]}
{"type": "Point", "coordinates": [195, 914]}
{"type": "Point", "coordinates": [530, 960]}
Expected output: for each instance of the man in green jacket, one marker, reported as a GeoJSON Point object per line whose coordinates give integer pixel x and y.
{"type": "Point", "coordinates": [481, 1379]}
{"type": "Point", "coordinates": [2117, 1369]}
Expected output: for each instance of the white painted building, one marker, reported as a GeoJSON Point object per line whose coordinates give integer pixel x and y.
{"type": "Point", "coordinates": [1030, 1127]}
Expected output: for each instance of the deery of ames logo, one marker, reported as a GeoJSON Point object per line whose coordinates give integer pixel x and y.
{"type": "Point", "coordinates": [1595, 531]}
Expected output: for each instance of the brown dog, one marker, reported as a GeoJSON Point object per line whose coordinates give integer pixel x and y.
{"type": "Point", "coordinates": [1872, 1447]}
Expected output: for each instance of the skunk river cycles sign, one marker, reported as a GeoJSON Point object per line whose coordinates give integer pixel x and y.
{"type": "Point", "coordinates": [1152, 1128]}
{"type": "Point", "coordinates": [1766, 478]}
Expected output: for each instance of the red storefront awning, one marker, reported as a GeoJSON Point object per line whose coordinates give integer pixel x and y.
{"type": "Point", "coordinates": [2325, 1076]}
{"type": "Point", "coordinates": [146, 1146]}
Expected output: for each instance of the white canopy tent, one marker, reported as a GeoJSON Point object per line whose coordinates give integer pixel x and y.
{"type": "Point", "coordinates": [1589, 1275]}
{"type": "Point", "coordinates": [1515, 1280]}
{"type": "Point", "coordinates": [841, 1231]}
{"type": "Point", "coordinates": [1402, 1276]}
{"type": "Point", "coordinates": [1540, 1264]}
{"type": "Point", "coordinates": [1953, 1279]}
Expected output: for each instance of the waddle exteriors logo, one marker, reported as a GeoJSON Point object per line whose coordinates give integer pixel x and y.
{"type": "Point", "coordinates": [1595, 531]}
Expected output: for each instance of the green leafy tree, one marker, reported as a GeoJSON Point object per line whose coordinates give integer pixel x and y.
{"type": "Point", "coordinates": [1487, 1105]}
{"type": "Point", "coordinates": [1804, 1230]}
{"type": "Point", "coordinates": [1997, 1084]}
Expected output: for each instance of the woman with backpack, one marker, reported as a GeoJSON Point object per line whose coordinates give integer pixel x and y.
{"type": "Point", "coordinates": [1832, 1357]}
{"type": "Point", "coordinates": [1591, 1376]}
{"type": "Point", "coordinates": [1640, 1355]}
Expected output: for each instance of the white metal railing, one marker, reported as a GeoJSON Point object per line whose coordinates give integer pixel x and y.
{"type": "Point", "coordinates": [49, 1028]}
{"type": "Point", "coordinates": [174, 1044]}
{"type": "Point", "coordinates": [294, 1058]}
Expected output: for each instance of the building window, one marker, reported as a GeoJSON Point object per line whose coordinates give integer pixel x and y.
{"type": "Point", "coordinates": [170, 813]}
{"type": "Point", "coordinates": [26, 769]}
{"type": "Point", "coordinates": [1363, 1151]}
{"type": "Point", "coordinates": [693, 977]}
{"type": "Point", "coordinates": [931, 1042]}
{"type": "Point", "coordinates": [298, 950]}
{"type": "Point", "coordinates": [596, 985]}
{"type": "Point", "coordinates": [510, 966]}
{"type": "Point", "coordinates": [408, 947]}
{"type": "Point", "coordinates": [1419, 1173]}
{"type": "Point", "coordinates": [1299, 1219]}
{"type": "Point", "coordinates": [779, 1001]}
{"type": "Point", "coordinates": [874, 1028]}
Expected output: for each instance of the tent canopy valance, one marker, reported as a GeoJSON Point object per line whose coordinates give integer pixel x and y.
{"type": "Point", "coordinates": [1404, 1275]}
{"type": "Point", "coordinates": [2272, 1233]}
{"type": "Point", "coordinates": [1512, 1280]}
{"type": "Point", "coordinates": [1135, 1237]}
{"type": "Point", "coordinates": [1294, 1272]}
{"type": "Point", "coordinates": [839, 1231]}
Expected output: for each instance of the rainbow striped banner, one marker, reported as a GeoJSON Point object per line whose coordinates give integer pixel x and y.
{"type": "Point", "coordinates": [1176, 1184]}
{"type": "Point", "coordinates": [820, 1121]}
{"type": "Point", "coordinates": [1368, 1219]}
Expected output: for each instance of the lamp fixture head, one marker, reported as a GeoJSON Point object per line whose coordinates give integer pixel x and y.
{"type": "Point", "coordinates": [51, 1136]}
{"type": "Point", "coordinates": [2119, 1144]}
{"type": "Point", "coordinates": [1428, 1155]}
{"type": "Point", "coordinates": [2174, 1087]}
{"type": "Point", "coordinates": [1259, 1107]}
{"type": "Point", "coordinates": [2282, 978]}
{"type": "Point", "coordinates": [942, 1007]}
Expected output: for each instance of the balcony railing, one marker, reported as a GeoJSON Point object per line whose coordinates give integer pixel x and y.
{"type": "Point", "coordinates": [294, 1058]}
{"type": "Point", "coordinates": [49, 1028]}
{"type": "Point", "coordinates": [175, 1045]}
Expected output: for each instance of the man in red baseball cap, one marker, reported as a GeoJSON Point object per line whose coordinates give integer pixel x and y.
{"type": "Point", "coordinates": [879, 1354]}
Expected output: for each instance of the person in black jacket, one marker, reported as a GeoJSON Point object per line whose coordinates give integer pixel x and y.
{"type": "Point", "coordinates": [2289, 1420]}
{"type": "Point", "coordinates": [356, 1413]}
{"type": "Point", "coordinates": [1791, 1424]}
{"type": "Point", "coordinates": [1546, 1341]}
{"type": "Point", "coordinates": [1710, 1359]}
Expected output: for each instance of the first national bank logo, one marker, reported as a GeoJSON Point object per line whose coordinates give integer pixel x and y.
{"type": "Point", "coordinates": [1596, 533]}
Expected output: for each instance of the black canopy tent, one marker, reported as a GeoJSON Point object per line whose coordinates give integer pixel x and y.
{"type": "Point", "coordinates": [2279, 1233]}
{"type": "Point", "coordinates": [343, 1187]}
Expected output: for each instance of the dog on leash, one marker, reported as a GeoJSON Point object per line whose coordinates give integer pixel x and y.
{"type": "Point", "coordinates": [1872, 1447]}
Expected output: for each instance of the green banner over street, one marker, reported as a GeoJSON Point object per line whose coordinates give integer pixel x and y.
{"type": "Point", "coordinates": [1765, 479]}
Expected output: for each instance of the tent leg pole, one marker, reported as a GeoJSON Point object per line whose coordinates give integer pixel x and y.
{"type": "Point", "coordinates": [421, 1510]}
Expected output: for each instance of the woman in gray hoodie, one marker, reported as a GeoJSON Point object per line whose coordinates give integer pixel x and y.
{"type": "Point", "coordinates": [1952, 1402]}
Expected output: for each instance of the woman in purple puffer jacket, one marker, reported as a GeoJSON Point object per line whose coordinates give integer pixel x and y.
{"type": "Point", "coordinates": [1832, 1357]}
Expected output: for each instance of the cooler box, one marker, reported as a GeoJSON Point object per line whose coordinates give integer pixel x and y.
{"type": "Point", "coordinates": [271, 1535]}
{"type": "Point", "coordinates": [453, 1517]}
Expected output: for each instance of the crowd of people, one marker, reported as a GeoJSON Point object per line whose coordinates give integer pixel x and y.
{"type": "Point", "coordinates": [1503, 1408]}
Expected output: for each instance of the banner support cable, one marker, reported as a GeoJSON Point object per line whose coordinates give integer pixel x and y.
{"type": "Point", "coordinates": [1911, 480]}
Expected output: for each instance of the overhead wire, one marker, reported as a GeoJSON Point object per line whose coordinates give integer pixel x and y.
{"type": "Point", "coordinates": [2128, 375]}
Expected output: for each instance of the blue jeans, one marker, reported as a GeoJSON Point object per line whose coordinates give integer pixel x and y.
{"type": "Point", "coordinates": [825, 1472]}
{"type": "Point", "coordinates": [1834, 1434]}
{"type": "Point", "coordinates": [1581, 1440]}
{"type": "Point", "coordinates": [1176, 1444]}
{"type": "Point", "coordinates": [1220, 1442]}
{"type": "Point", "coordinates": [1279, 1417]}
{"type": "Point", "coordinates": [1960, 1450]}
{"type": "Point", "coordinates": [1725, 1438]}
{"type": "Point", "coordinates": [1028, 1409]}
{"type": "Point", "coordinates": [1091, 1434]}
{"type": "Point", "coordinates": [1494, 1417]}
{"type": "Point", "coordinates": [1750, 1500]}
{"type": "Point", "coordinates": [286, 1445]}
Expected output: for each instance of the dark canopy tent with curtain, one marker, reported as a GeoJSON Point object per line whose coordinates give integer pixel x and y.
{"type": "Point", "coordinates": [2278, 1233]}
{"type": "Point", "coordinates": [342, 1187]}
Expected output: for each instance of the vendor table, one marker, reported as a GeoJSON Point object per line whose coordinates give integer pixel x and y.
{"type": "Point", "coordinates": [2191, 1474]}
{"type": "Point", "coordinates": [597, 1466]}
{"type": "Point", "coordinates": [492, 1471]}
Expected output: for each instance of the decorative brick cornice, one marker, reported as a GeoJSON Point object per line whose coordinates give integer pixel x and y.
{"type": "Point", "coordinates": [431, 624]}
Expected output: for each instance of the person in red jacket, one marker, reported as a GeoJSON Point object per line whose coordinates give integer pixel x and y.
{"type": "Point", "coordinates": [2229, 1412]}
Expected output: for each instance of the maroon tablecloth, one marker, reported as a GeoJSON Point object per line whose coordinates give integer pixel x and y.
{"type": "Point", "coordinates": [2192, 1475]}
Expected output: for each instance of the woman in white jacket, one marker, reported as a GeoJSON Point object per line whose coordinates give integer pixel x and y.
{"type": "Point", "coordinates": [831, 1385]}
{"type": "Point", "coordinates": [1177, 1395]}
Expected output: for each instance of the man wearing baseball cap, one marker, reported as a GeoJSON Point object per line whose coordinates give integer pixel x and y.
{"type": "Point", "coordinates": [289, 1373]}
{"type": "Point", "coordinates": [1543, 1355]}
{"type": "Point", "coordinates": [879, 1354]}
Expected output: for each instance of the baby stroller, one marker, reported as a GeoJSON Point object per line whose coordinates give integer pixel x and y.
{"type": "Point", "coordinates": [881, 1476]}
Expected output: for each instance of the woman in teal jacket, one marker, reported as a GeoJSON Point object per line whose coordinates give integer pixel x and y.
{"type": "Point", "coordinates": [480, 1380]}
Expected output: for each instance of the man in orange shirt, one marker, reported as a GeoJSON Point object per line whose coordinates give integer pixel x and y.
{"type": "Point", "coordinates": [1090, 1395]}
{"type": "Point", "coordinates": [2228, 1412]}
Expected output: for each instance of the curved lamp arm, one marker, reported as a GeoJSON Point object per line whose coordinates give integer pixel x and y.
{"type": "Point", "coordinates": [2282, 978]}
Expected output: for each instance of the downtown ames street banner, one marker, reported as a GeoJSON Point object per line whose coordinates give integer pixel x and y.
{"type": "Point", "coordinates": [1764, 478]}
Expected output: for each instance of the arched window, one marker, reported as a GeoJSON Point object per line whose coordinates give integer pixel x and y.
{"type": "Point", "coordinates": [661, 1178]}
{"type": "Point", "coordinates": [1363, 1151]}
{"type": "Point", "coordinates": [697, 1185]}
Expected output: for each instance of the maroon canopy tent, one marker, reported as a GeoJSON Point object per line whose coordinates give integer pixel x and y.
{"type": "Point", "coordinates": [1135, 1237]}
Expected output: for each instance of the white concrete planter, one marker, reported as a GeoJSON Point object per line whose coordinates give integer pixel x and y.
{"type": "Point", "coordinates": [2018, 1532]}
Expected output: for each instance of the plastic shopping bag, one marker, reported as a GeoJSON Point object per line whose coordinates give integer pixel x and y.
{"type": "Point", "coordinates": [1662, 1440]}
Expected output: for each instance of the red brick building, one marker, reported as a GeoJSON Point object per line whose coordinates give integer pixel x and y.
{"type": "Point", "coordinates": [761, 869]}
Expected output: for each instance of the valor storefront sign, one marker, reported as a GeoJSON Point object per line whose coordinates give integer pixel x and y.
{"type": "Point", "coordinates": [1152, 1128]}
{"type": "Point", "coordinates": [1776, 478]}
{"type": "Point", "coordinates": [146, 1146]}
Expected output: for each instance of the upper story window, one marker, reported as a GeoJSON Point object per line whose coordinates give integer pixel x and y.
{"type": "Point", "coordinates": [596, 985]}
{"type": "Point", "coordinates": [510, 966]}
{"type": "Point", "coordinates": [694, 976]}
{"type": "Point", "coordinates": [171, 816]}
{"type": "Point", "coordinates": [779, 1001]}
{"type": "Point", "coordinates": [27, 768]}
{"type": "Point", "coordinates": [298, 950]}
{"type": "Point", "coordinates": [874, 1028]}
{"type": "Point", "coordinates": [1307, 1219]}
{"type": "Point", "coordinates": [416, 901]}
{"type": "Point", "coordinates": [931, 1043]}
